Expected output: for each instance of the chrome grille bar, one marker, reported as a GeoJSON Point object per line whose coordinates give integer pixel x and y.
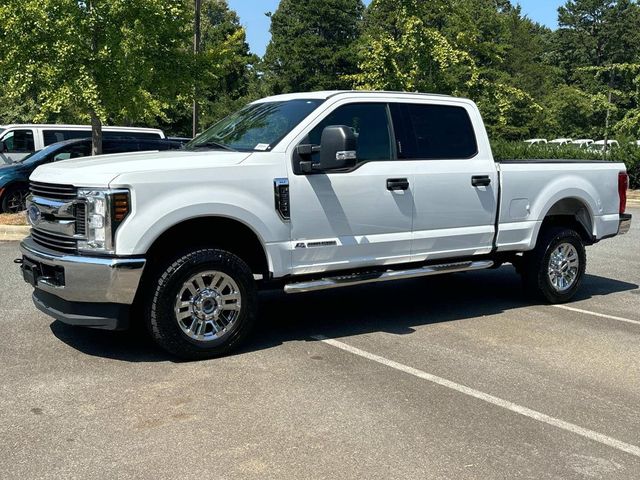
{"type": "Point", "coordinates": [54, 242]}
{"type": "Point", "coordinates": [58, 192]}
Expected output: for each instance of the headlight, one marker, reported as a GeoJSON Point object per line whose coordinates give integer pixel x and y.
{"type": "Point", "coordinates": [105, 211]}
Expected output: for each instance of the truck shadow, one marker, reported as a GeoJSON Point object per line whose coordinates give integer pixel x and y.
{"type": "Point", "coordinates": [399, 307]}
{"type": "Point", "coordinates": [395, 307]}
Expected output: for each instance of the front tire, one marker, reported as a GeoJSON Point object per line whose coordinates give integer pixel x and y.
{"type": "Point", "coordinates": [203, 304]}
{"type": "Point", "coordinates": [14, 200]}
{"type": "Point", "coordinates": [554, 270]}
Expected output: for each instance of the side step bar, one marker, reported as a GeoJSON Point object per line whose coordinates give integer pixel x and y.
{"type": "Point", "coordinates": [373, 277]}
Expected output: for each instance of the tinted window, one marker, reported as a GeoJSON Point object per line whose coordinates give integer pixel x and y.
{"type": "Point", "coordinates": [130, 135]}
{"type": "Point", "coordinates": [19, 141]}
{"type": "Point", "coordinates": [72, 151]}
{"type": "Point", "coordinates": [113, 146]}
{"type": "Point", "coordinates": [433, 132]}
{"type": "Point", "coordinates": [370, 123]}
{"type": "Point", "coordinates": [55, 136]}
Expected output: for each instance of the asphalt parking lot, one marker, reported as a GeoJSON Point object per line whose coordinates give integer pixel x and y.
{"type": "Point", "coordinates": [455, 377]}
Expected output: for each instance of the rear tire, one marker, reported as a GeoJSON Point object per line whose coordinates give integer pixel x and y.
{"type": "Point", "coordinates": [554, 270]}
{"type": "Point", "coordinates": [203, 304]}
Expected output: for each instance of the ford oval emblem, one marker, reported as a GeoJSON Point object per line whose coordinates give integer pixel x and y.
{"type": "Point", "coordinates": [34, 215]}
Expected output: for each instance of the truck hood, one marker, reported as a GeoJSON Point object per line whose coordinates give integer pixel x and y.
{"type": "Point", "coordinates": [99, 171]}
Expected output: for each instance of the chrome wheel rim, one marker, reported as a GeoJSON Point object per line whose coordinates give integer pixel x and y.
{"type": "Point", "coordinates": [564, 265]}
{"type": "Point", "coordinates": [208, 306]}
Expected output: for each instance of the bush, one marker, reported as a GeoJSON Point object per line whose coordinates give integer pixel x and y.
{"type": "Point", "coordinates": [628, 154]}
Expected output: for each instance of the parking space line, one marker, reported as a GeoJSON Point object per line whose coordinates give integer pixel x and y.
{"type": "Point", "coordinates": [595, 314]}
{"type": "Point", "coordinates": [527, 412]}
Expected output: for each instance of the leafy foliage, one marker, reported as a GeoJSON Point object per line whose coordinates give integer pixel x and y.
{"type": "Point", "coordinates": [312, 44]}
{"type": "Point", "coordinates": [628, 153]}
{"type": "Point", "coordinates": [132, 61]}
{"type": "Point", "coordinates": [94, 57]}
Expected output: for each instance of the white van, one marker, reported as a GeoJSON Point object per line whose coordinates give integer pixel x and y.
{"type": "Point", "coordinates": [18, 141]}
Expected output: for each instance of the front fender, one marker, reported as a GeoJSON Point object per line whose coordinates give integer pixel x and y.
{"type": "Point", "coordinates": [154, 214]}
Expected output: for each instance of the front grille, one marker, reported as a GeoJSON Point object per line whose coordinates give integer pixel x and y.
{"type": "Point", "coordinates": [80, 212]}
{"type": "Point", "coordinates": [54, 191]}
{"type": "Point", "coordinates": [54, 242]}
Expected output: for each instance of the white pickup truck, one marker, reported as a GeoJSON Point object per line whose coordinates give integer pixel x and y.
{"type": "Point", "coordinates": [304, 192]}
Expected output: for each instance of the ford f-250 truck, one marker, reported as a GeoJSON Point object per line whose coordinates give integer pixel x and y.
{"type": "Point", "coordinates": [304, 192]}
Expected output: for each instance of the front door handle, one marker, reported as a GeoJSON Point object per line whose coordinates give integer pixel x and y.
{"type": "Point", "coordinates": [397, 184]}
{"type": "Point", "coordinates": [480, 181]}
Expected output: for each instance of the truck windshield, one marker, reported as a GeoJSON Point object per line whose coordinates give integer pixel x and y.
{"type": "Point", "coordinates": [257, 127]}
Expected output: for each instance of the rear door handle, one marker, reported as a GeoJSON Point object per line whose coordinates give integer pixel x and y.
{"type": "Point", "coordinates": [397, 184]}
{"type": "Point", "coordinates": [480, 181]}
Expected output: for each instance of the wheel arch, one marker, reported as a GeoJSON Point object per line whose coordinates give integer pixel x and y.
{"type": "Point", "coordinates": [574, 212]}
{"type": "Point", "coordinates": [239, 239]}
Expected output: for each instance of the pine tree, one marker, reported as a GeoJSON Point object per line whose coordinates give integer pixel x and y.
{"type": "Point", "coordinates": [312, 45]}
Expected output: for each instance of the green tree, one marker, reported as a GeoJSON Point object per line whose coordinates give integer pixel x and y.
{"type": "Point", "coordinates": [414, 58]}
{"type": "Point", "coordinates": [312, 44]}
{"type": "Point", "coordinates": [598, 32]}
{"type": "Point", "coordinates": [572, 112]}
{"type": "Point", "coordinates": [108, 60]}
{"type": "Point", "coordinates": [225, 73]}
{"type": "Point", "coordinates": [446, 47]}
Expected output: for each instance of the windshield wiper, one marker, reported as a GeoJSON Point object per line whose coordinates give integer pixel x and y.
{"type": "Point", "coordinates": [215, 145]}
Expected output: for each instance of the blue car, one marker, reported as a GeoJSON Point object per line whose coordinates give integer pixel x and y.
{"type": "Point", "coordinates": [14, 176]}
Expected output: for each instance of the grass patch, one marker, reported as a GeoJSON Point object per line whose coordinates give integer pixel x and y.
{"type": "Point", "coordinates": [13, 218]}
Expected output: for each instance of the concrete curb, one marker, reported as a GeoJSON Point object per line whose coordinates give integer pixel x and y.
{"type": "Point", "coordinates": [13, 232]}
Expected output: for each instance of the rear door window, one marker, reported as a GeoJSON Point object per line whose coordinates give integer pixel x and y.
{"type": "Point", "coordinates": [433, 132]}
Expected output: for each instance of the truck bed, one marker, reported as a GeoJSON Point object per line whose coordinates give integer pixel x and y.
{"type": "Point", "coordinates": [531, 189]}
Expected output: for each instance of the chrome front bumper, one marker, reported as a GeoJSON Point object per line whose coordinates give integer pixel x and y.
{"type": "Point", "coordinates": [75, 278]}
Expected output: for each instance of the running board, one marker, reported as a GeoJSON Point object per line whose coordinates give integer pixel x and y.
{"type": "Point", "coordinates": [373, 277]}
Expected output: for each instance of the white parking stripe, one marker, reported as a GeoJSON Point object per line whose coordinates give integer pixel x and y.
{"type": "Point", "coordinates": [595, 314]}
{"type": "Point", "coordinates": [527, 412]}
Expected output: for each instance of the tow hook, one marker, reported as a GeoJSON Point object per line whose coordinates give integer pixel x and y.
{"type": "Point", "coordinates": [18, 261]}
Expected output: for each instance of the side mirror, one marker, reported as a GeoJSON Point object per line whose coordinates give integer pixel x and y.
{"type": "Point", "coordinates": [3, 147]}
{"type": "Point", "coordinates": [338, 146]}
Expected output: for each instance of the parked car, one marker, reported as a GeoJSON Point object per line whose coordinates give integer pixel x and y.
{"type": "Point", "coordinates": [602, 146]}
{"type": "Point", "coordinates": [582, 143]}
{"type": "Point", "coordinates": [18, 141]}
{"type": "Point", "coordinates": [536, 141]}
{"type": "Point", "coordinates": [327, 190]}
{"type": "Point", "coordinates": [14, 176]}
{"type": "Point", "coordinates": [560, 142]}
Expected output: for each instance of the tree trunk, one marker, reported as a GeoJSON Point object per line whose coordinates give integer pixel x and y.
{"type": "Point", "coordinates": [96, 134]}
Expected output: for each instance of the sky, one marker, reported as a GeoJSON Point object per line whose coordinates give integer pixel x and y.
{"type": "Point", "coordinates": [253, 18]}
